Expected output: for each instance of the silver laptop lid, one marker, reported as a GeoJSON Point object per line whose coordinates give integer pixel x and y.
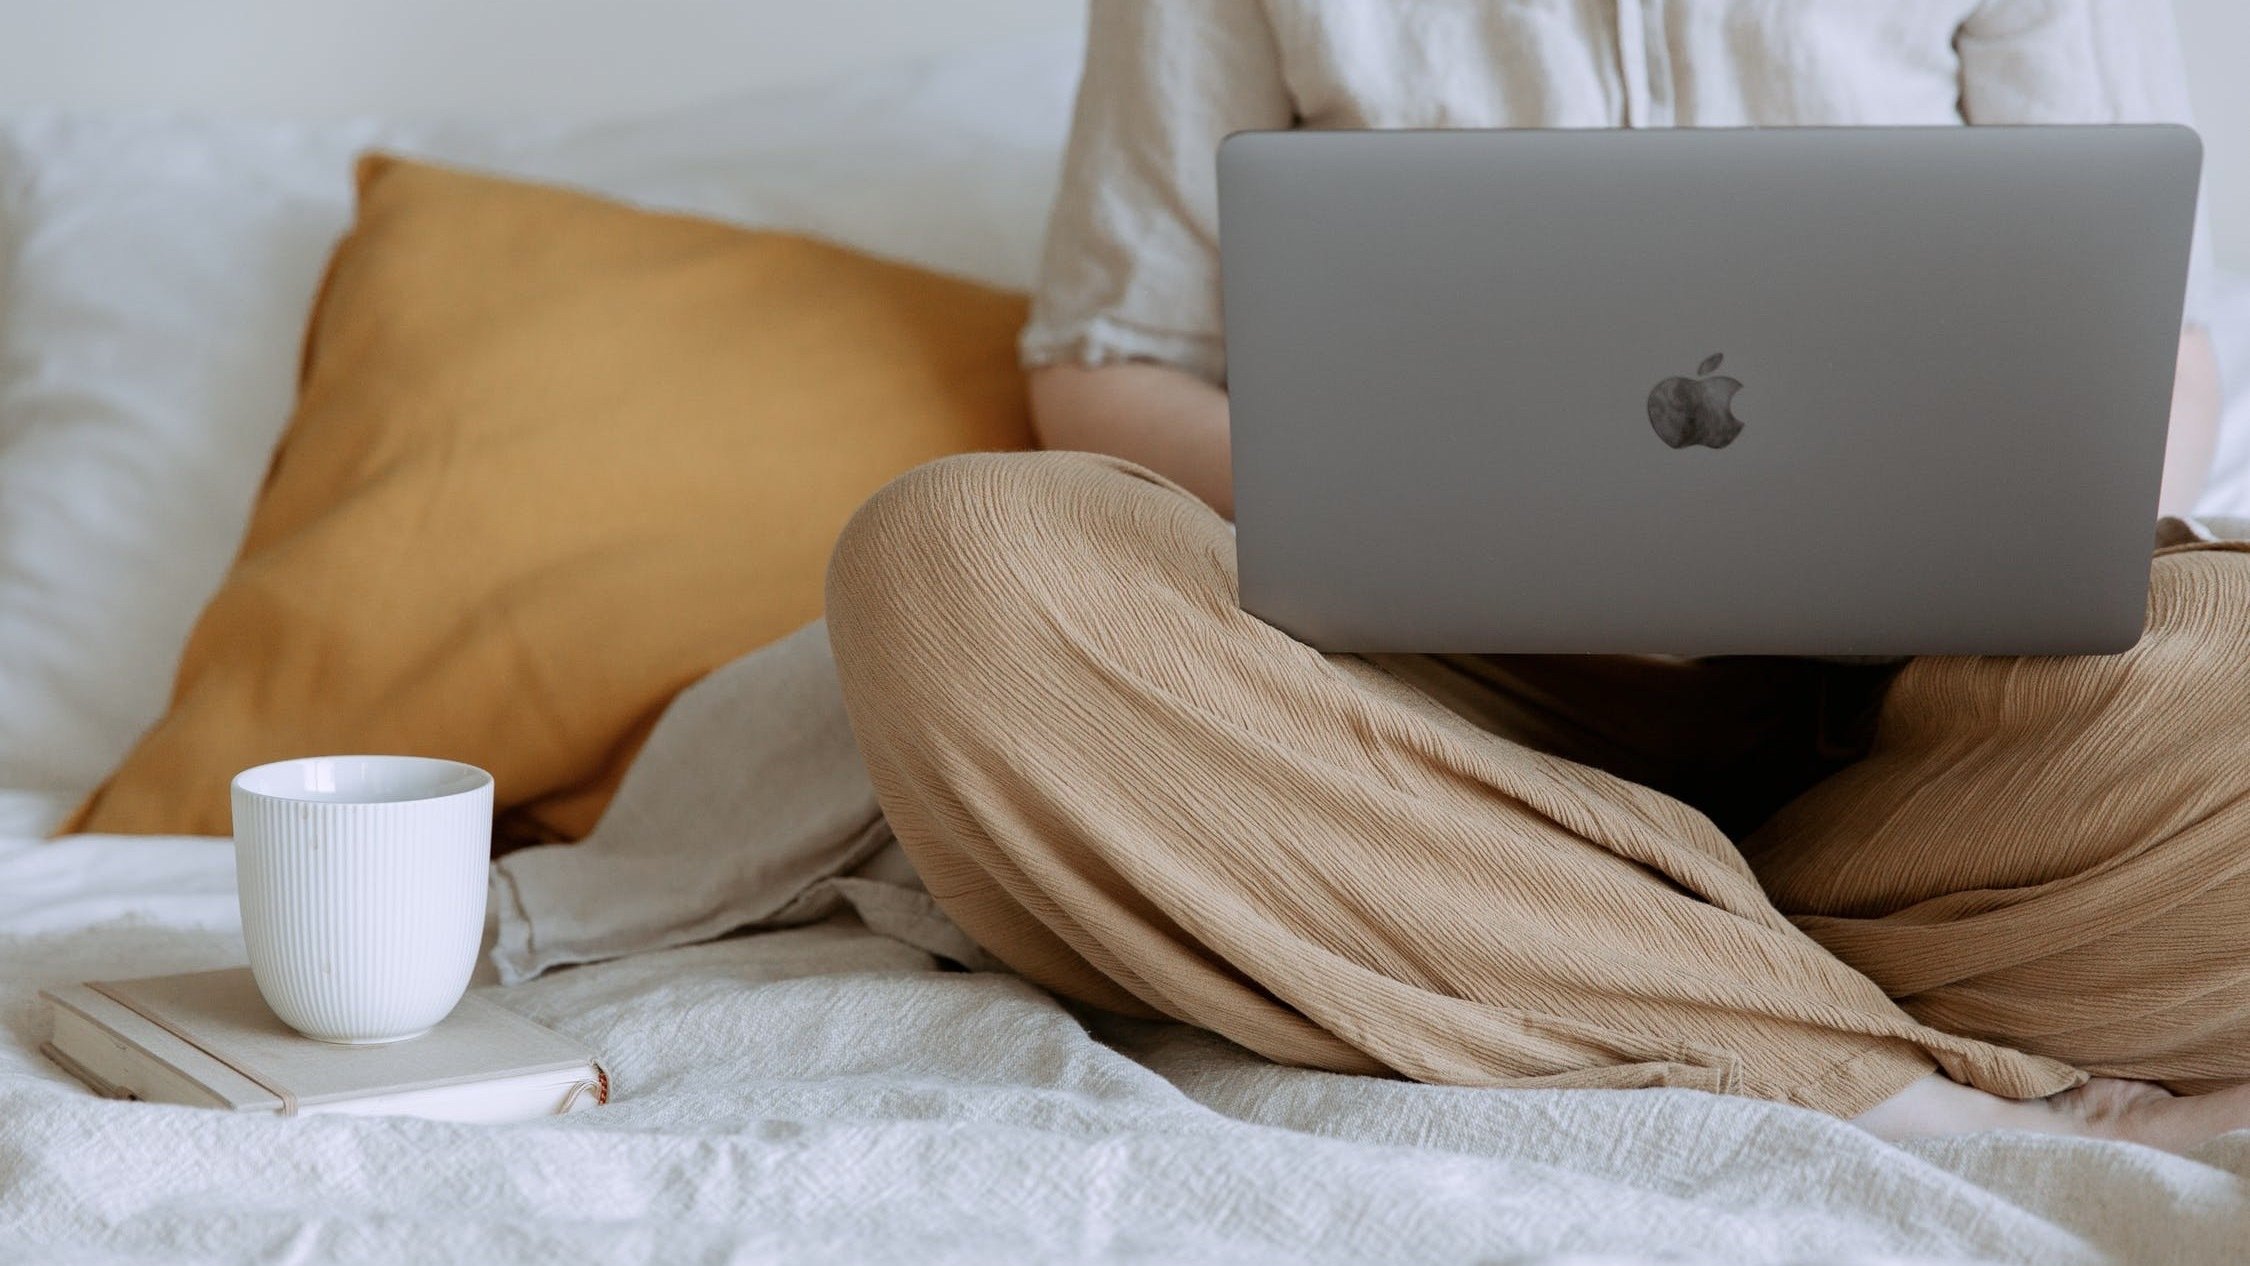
{"type": "Point", "coordinates": [1485, 386]}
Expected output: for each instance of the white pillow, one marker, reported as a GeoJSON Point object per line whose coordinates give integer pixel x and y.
{"type": "Point", "coordinates": [157, 276]}
{"type": "Point", "coordinates": [155, 271]}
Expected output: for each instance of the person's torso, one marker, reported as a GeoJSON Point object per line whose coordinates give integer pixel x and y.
{"type": "Point", "coordinates": [1620, 63]}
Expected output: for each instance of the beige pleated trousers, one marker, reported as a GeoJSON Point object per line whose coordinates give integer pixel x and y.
{"type": "Point", "coordinates": [1506, 872]}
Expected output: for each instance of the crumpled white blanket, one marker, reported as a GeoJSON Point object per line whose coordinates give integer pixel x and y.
{"type": "Point", "coordinates": [747, 807]}
{"type": "Point", "coordinates": [826, 1094]}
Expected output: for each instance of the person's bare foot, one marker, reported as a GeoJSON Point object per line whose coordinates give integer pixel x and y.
{"type": "Point", "coordinates": [1936, 1107]}
{"type": "Point", "coordinates": [2145, 1113]}
{"type": "Point", "coordinates": [2104, 1108]}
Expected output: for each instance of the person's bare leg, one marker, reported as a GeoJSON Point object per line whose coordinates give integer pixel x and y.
{"type": "Point", "coordinates": [2104, 1108]}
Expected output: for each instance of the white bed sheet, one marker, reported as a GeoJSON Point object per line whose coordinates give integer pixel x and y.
{"type": "Point", "coordinates": [824, 1094]}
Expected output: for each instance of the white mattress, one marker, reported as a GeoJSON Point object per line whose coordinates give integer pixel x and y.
{"type": "Point", "coordinates": [826, 1095]}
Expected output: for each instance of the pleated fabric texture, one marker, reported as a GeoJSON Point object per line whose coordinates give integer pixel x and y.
{"type": "Point", "coordinates": [363, 920]}
{"type": "Point", "coordinates": [2054, 853]}
{"type": "Point", "coordinates": [1144, 799]}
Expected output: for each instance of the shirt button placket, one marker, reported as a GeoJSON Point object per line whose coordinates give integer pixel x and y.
{"type": "Point", "coordinates": [1660, 109]}
{"type": "Point", "coordinates": [1632, 61]}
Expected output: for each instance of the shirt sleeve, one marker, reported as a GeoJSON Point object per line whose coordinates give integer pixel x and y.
{"type": "Point", "coordinates": [1131, 267]}
{"type": "Point", "coordinates": [2082, 61]}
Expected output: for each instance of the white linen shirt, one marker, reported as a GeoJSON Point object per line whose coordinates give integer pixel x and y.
{"type": "Point", "coordinates": [1130, 270]}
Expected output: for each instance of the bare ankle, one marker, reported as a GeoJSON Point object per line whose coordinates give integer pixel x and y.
{"type": "Point", "coordinates": [2112, 1108]}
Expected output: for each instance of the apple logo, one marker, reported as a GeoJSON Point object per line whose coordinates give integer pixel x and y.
{"type": "Point", "coordinates": [1698, 410]}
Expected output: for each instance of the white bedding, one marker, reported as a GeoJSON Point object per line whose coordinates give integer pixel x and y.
{"type": "Point", "coordinates": [824, 1094]}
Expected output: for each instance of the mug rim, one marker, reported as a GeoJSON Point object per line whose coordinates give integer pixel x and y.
{"type": "Point", "coordinates": [482, 781]}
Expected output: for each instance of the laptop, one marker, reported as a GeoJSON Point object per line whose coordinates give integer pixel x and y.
{"type": "Point", "coordinates": [1745, 392]}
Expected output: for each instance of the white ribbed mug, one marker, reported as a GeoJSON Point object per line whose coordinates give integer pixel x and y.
{"type": "Point", "coordinates": [362, 882]}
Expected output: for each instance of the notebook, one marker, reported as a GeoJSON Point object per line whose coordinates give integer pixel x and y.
{"type": "Point", "coordinates": [207, 1039]}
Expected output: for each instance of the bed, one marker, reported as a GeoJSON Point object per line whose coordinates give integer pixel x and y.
{"type": "Point", "coordinates": [818, 1092]}
{"type": "Point", "coordinates": [826, 1094]}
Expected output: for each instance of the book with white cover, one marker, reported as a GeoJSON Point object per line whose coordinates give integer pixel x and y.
{"type": "Point", "coordinates": [208, 1039]}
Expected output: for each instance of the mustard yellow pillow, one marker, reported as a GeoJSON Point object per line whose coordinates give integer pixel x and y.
{"type": "Point", "coordinates": [554, 459]}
